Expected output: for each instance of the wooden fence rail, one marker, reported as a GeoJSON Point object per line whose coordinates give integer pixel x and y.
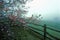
{"type": "Point", "coordinates": [46, 27]}
{"type": "Point", "coordinates": [45, 31]}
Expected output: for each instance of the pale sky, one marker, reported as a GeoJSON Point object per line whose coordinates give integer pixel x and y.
{"type": "Point", "coordinates": [47, 8]}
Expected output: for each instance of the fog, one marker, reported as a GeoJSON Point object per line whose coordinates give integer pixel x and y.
{"type": "Point", "coordinates": [49, 9]}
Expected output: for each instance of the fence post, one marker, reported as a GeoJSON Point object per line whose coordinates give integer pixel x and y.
{"type": "Point", "coordinates": [44, 31]}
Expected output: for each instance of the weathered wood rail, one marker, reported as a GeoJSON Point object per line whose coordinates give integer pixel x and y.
{"type": "Point", "coordinates": [45, 31]}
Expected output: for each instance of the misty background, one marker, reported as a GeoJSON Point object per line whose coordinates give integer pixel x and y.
{"type": "Point", "coordinates": [49, 9]}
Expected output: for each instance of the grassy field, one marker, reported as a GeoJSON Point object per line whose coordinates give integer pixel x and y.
{"type": "Point", "coordinates": [49, 24]}
{"type": "Point", "coordinates": [22, 33]}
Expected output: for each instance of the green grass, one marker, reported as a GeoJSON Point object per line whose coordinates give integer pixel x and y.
{"type": "Point", "coordinates": [49, 24]}
{"type": "Point", "coordinates": [22, 34]}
